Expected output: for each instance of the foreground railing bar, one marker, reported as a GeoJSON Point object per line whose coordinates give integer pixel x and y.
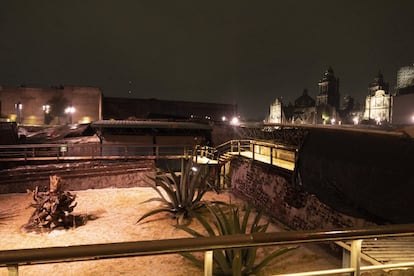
{"type": "Point", "coordinates": [346, 270]}
{"type": "Point", "coordinates": [319, 272]}
{"type": "Point", "coordinates": [167, 246]}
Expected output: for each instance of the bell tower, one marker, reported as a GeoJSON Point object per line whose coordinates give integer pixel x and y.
{"type": "Point", "coordinates": [328, 90]}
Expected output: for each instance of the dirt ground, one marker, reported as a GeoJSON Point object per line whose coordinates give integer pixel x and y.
{"type": "Point", "coordinates": [117, 211]}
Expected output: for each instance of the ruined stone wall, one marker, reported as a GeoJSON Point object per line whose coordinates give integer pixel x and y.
{"type": "Point", "coordinates": [81, 183]}
{"type": "Point", "coordinates": [269, 188]}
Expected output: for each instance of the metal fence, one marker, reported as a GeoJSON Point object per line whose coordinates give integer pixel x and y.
{"type": "Point", "coordinates": [15, 258]}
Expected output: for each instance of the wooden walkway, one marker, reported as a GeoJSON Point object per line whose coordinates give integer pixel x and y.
{"type": "Point", "coordinates": [385, 250]}
{"type": "Point", "coordinates": [390, 250]}
{"type": "Point", "coordinates": [258, 157]}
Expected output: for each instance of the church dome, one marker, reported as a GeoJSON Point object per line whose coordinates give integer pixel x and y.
{"type": "Point", "coordinates": [305, 100]}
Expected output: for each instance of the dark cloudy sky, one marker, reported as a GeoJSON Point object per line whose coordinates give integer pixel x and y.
{"type": "Point", "coordinates": [242, 52]}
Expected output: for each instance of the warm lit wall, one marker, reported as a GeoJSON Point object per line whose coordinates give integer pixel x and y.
{"type": "Point", "coordinates": [87, 102]}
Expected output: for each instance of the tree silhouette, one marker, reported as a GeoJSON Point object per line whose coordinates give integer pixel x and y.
{"type": "Point", "coordinates": [58, 103]}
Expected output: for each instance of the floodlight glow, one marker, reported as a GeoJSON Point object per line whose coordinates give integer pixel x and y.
{"type": "Point", "coordinates": [46, 108]}
{"type": "Point", "coordinates": [224, 118]}
{"type": "Point", "coordinates": [356, 120]}
{"type": "Point", "coordinates": [70, 110]}
{"type": "Point", "coordinates": [19, 106]}
{"type": "Point", "coordinates": [333, 121]}
{"type": "Point", "coordinates": [235, 121]}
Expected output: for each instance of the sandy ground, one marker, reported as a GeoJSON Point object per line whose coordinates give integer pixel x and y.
{"type": "Point", "coordinates": [117, 211]}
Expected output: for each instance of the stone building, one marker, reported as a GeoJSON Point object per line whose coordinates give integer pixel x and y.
{"type": "Point", "coordinates": [304, 109]}
{"type": "Point", "coordinates": [403, 101]}
{"type": "Point", "coordinates": [123, 108]}
{"type": "Point", "coordinates": [327, 101]}
{"type": "Point", "coordinates": [55, 105]}
{"type": "Point", "coordinates": [276, 114]}
{"type": "Point", "coordinates": [378, 103]}
{"type": "Point", "coordinates": [405, 80]}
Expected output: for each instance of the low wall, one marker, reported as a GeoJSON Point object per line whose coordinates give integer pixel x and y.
{"type": "Point", "coordinates": [269, 188]}
{"type": "Point", "coordinates": [75, 181]}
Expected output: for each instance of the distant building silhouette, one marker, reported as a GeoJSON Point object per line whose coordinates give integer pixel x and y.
{"type": "Point", "coordinates": [403, 101]}
{"type": "Point", "coordinates": [127, 108]}
{"type": "Point", "coordinates": [405, 80]}
{"type": "Point", "coordinates": [304, 109]}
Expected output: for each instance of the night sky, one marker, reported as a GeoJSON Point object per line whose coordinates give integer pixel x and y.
{"type": "Point", "coordinates": [242, 52]}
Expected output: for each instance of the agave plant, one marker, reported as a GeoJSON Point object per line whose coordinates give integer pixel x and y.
{"type": "Point", "coordinates": [180, 194]}
{"type": "Point", "coordinates": [228, 220]}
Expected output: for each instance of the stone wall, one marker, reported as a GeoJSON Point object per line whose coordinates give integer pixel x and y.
{"type": "Point", "coordinates": [76, 181]}
{"type": "Point", "coordinates": [269, 188]}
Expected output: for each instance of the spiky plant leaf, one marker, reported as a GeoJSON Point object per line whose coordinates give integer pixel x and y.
{"type": "Point", "coordinates": [237, 263]}
{"type": "Point", "coordinates": [181, 193]}
{"type": "Point", "coordinates": [153, 212]}
{"type": "Point", "coordinates": [227, 220]}
{"type": "Point", "coordinates": [271, 257]}
{"type": "Point", "coordinates": [193, 259]}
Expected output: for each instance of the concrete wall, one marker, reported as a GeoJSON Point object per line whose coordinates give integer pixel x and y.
{"type": "Point", "coordinates": [271, 189]}
{"type": "Point", "coordinates": [403, 109]}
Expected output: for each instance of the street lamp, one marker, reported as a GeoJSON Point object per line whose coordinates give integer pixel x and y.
{"type": "Point", "coordinates": [69, 111]}
{"type": "Point", "coordinates": [46, 108]}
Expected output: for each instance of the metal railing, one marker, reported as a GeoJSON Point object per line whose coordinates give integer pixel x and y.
{"type": "Point", "coordinates": [15, 258]}
{"type": "Point", "coordinates": [92, 151]}
{"type": "Point", "coordinates": [270, 150]}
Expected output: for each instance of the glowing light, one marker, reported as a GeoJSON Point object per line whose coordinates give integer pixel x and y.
{"type": "Point", "coordinates": [18, 106]}
{"type": "Point", "coordinates": [333, 121]}
{"type": "Point", "coordinates": [46, 108]}
{"type": "Point", "coordinates": [70, 110]}
{"type": "Point", "coordinates": [224, 118]}
{"type": "Point", "coordinates": [86, 120]}
{"type": "Point", "coordinates": [356, 120]}
{"type": "Point", "coordinates": [235, 121]}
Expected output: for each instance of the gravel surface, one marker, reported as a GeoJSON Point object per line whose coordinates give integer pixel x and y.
{"type": "Point", "coordinates": [116, 212]}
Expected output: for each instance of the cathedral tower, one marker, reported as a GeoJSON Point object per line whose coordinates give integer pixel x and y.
{"type": "Point", "coordinates": [328, 90]}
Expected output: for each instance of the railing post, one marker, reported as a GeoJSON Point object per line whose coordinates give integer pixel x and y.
{"type": "Point", "coordinates": [13, 270]}
{"type": "Point", "coordinates": [356, 256]}
{"type": "Point", "coordinates": [271, 155]}
{"type": "Point", "coordinates": [208, 263]}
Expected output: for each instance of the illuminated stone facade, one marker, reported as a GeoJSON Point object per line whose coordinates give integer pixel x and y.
{"type": "Point", "coordinates": [44, 106]}
{"type": "Point", "coordinates": [276, 115]}
{"type": "Point", "coordinates": [378, 103]}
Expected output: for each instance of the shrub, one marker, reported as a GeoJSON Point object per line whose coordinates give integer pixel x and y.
{"type": "Point", "coordinates": [228, 221]}
{"type": "Point", "coordinates": [179, 194]}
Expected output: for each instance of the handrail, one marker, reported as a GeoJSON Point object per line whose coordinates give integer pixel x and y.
{"type": "Point", "coordinates": [14, 258]}
{"type": "Point", "coordinates": [108, 151]}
